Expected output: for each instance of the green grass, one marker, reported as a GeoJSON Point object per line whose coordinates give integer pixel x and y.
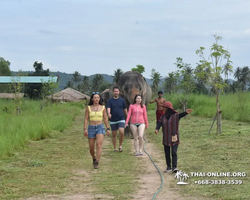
{"type": "Point", "coordinates": [201, 152]}
{"type": "Point", "coordinates": [32, 123]}
{"type": "Point", "coordinates": [61, 165]}
{"type": "Point", "coordinates": [234, 106]}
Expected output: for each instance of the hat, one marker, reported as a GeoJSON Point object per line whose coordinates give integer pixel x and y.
{"type": "Point", "coordinates": [168, 104]}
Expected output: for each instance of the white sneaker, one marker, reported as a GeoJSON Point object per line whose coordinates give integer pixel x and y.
{"type": "Point", "coordinates": [137, 154]}
{"type": "Point", "coordinates": [140, 153]}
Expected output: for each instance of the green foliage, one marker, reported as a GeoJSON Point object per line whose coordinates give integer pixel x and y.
{"type": "Point", "coordinates": [234, 106]}
{"type": "Point", "coordinates": [48, 89]}
{"type": "Point", "coordinates": [186, 81]}
{"type": "Point", "coordinates": [117, 75]}
{"type": "Point", "coordinates": [76, 79]}
{"type": "Point", "coordinates": [96, 82]}
{"type": "Point", "coordinates": [170, 83]}
{"type": "Point", "coordinates": [32, 124]}
{"type": "Point", "coordinates": [4, 67]}
{"type": "Point", "coordinates": [34, 90]}
{"type": "Point", "coordinates": [139, 68]}
{"type": "Point", "coordinates": [17, 86]}
{"type": "Point", "coordinates": [210, 71]}
{"type": "Point", "coordinates": [85, 85]}
{"type": "Point", "coordinates": [217, 55]}
{"type": "Point", "coordinates": [156, 78]}
{"type": "Point", "coordinates": [4, 71]}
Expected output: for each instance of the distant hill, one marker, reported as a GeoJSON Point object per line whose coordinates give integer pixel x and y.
{"type": "Point", "coordinates": [65, 77]}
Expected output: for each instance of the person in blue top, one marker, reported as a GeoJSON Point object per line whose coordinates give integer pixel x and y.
{"type": "Point", "coordinates": [117, 112]}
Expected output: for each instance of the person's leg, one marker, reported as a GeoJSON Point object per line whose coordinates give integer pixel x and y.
{"type": "Point", "coordinates": [92, 147]}
{"type": "Point", "coordinates": [141, 129]}
{"type": "Point", "coordinates": [121, 134]}
{"type": "Point", "coordinates": [92, 138]}
{"type": "Point", "coordinates": [114, 135]}
{"type": "Point", "coordinates": [174, 156]}
{"type": "Point", "coordinates": [135, 135]}
{"type": "Point", "coordinates": [99, 140]}
{"type": "Point", "coordinates": [167, 156]}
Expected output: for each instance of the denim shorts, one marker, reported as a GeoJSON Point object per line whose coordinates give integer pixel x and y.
{"type": "Point", "coordinates": [116, 126]}
{"type": "Point", "coordinates": [95, 129]}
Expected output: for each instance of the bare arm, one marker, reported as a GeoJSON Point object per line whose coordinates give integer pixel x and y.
{"type": "Point", "coordinates": [152, 101]}
{"type": "Point", "coordinates": [125, 112]}
{"type": "Point", "coordinates": [145, 116]}
{"type": "Point", "coordinates": [108, 111]}
{"type": "Point", "coordinates": [86, 122]}
{"type": "Point", "coordinates": [128, 115]}
{"type": "Point", "coordinates": [105, 119]}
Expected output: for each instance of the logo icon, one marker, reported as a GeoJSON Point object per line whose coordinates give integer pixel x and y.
{"type": "Point", "coordinates": [182, 177]}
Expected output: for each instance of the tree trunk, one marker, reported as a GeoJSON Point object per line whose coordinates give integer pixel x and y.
{"type": "Point", "coordinates": [218, 113]}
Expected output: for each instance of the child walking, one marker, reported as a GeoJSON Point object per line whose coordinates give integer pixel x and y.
{"type": "Point", "coordinates": [170, 130]}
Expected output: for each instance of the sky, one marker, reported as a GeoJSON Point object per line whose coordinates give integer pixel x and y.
{"type": "Point", "coordinates": [100, 36]}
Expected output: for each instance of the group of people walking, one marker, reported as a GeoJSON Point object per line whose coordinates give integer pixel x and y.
{"type": "Point", "coordinates": [166, 117]}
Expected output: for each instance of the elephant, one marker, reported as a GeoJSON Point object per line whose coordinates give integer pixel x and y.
{"type": "Point", "coordinates": [130, 84]}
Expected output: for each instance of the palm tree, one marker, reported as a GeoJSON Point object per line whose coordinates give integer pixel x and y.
{"type": "Point", "coordinates": [117, 74]}
{"type": "Point", "coordinates": [170, 83]}
{"type": "Point", "coordinates": [227, 70]}
{"type": "Point", "coordinates": [69, 84]}
{"type": "Point", "coordinates": [156, 78]}
{"type": "Point", "coordinates": [237, 73]}
{"type": "Point", "coordinates": [76, 78]}
{"type": "Point", "coordinates": [96, 82]}
{"type": "Point", "coordinates": [85, 86]}
{"type": "Point", "coordinates": [243, 76]}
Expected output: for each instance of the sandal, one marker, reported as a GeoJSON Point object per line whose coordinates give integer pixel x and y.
{"type": "Point", "coordinates": [120, 149]}
{"type": "Point", "coordinates": [115, 150]}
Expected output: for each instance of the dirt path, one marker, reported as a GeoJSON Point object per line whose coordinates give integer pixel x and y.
{"type": "Point", "coordinates": [148, 183]}
{"type": "Point", "coordinates": [150, 180]}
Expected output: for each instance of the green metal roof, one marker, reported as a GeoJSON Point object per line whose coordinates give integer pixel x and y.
{"type": "Point", "coordinates": [28, 79]}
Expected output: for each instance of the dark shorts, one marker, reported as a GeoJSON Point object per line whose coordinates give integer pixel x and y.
{"type": "Point", "coordinates": [116, 126]}
{"type": "Point", "coordinates": [93, 130]}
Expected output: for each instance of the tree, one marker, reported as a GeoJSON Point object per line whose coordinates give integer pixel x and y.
{"type": "Point", "coordinates": [76, 79]}
{"type": "Point", "coordinates": [186, 81]}
{"type": "Point", "coordinates": [17, 87]}
{"type": "Point", "coordinates": [69, 84]}
{"type": "Point", "coordinates": [4, 71]}
{"type": "Point", "coordinates": [156, 78]}
{"type": "Point", "coordinates": [201, 75]}
{"type": "Point", "coordinates": [227, 69]}
{"type": "Point", "coordinates": [170, 83]}
{"type": "Point", "coordinates": [243, 76]}
{"type": "Point", "coordinates": [48, 89]}
{"type": "Point", "coordinates": [105, 85]}
{"type": "Point", "coordinates": [85, 85]}
{"type": "Point", "coordinates": [33, 90]}
{"type": "Point", "coordinates": [217, 55]}
{"type": "Point", "coordinates": [117, 74]}
{"type": "Point", "coordinates": [4, 67]}
{"type": "Point", "coordinates": [96, 82]}
{"type": "Point", "coordinates": [139, 68]}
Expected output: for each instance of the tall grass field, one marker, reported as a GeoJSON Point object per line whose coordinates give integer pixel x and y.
{"type": "Point", "coordinates": [234, 107]}
{"type": "Point", "coordinates": [32, 123]}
